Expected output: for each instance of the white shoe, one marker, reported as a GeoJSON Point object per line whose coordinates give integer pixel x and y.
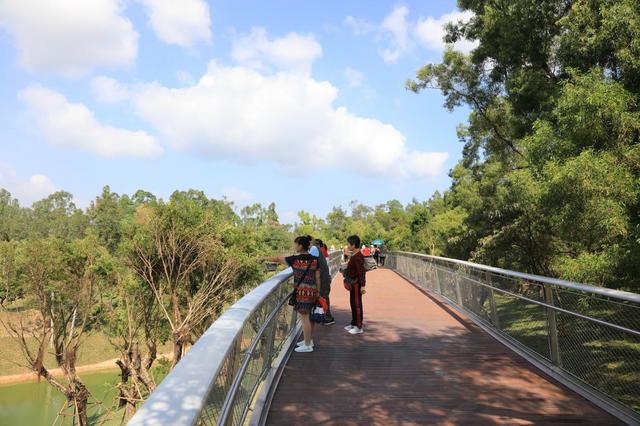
{"type": "Point", "coordinates": [304, 348]}
{"type": "Point", "coordinates": [356, 330]}
{"type": "Point", "coordinates": [301, 343]}
{"type": "Point", "coordinates": [349, 327]}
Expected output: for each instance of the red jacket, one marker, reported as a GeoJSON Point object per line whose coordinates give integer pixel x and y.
{"type": "Point", "coordinates": [355, 269]}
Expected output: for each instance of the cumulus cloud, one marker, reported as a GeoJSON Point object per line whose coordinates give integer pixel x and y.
{"type": "Point", "coordinates": [395, 28]}
{"type": "Point", "coordinates": [430, 31]}
{"type": "Point", "coordinates": [399, 35]}
{"type": "Point", "coordinates": [73, 125]}
{"type": "Point", "coordinates": [249, 116]}
{"type": "Point", "coordinates": [108, 90]}
{"type": "Point", "coordinates": [184, 23]}
{"type": "Point", "coordinates": [293, 52]}
{"type": "Point", "coordinates": [69, 37]}
{"type": "Point", "coordinates": [26, 190]}
{"type": "Point", "coordinates": [354, 77]}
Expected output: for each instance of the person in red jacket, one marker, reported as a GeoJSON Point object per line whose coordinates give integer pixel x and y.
{"type": "Point", "coordinates": [355, 280]}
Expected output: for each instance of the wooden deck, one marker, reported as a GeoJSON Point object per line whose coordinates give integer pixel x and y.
{"type": "Point", "coordinates": [417, 363]}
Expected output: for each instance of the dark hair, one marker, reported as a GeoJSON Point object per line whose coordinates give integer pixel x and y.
{"type": "Point", "coordinates": [354, 240]}
{"type": "Point", "coordinates": [318, 242]}
{"type": "Point", "coordinates": [304, 241]}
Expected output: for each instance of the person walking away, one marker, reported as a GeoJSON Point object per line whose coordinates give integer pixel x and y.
{"type": "Point", "coordinates": [306, 278]}
{"type": "Point", "coordinates": [375, 253]}
{"type": "Point", "coordinates": [366, 252]}
{"type": "Point", "coordinates": [383, 254]}
{"type": "Point", "coordinates": [355, 281]}
{"type": "Point", "coordinates": [325, 283]}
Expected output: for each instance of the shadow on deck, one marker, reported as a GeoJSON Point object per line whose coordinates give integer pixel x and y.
{"type": "Point", "coordinates": [417, 363]}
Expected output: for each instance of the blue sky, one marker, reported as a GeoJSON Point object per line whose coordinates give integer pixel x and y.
{"type": "Point", "coordinates": [300, 103]}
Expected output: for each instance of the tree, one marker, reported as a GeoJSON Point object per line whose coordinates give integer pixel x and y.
{"type": "Point", "coordinates": [177, 251]}
{"type": "Point", "coordinates": [64, 279]}
{"type": "Point", "coordinates": [9, 284]}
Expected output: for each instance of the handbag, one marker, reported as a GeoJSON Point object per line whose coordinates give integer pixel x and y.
{"type": "Point", "coordinates": [292, 296]}
{"type": "Point", "coordinates": [318, 314]}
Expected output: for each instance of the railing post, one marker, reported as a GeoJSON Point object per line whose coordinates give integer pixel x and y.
{"type": "Point", "coordinates": [554, 347]}
{"type": "Point", "coordinates": [492, 301]}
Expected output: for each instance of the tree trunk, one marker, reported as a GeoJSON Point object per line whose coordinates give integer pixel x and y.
{"type": "Point", "coordinates": [178, 346]}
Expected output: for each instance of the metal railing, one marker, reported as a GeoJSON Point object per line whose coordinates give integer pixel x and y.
{"type": "Point", "coordinates": [231, 365]}
{"type": "Point", "coordinates": [587, 337]}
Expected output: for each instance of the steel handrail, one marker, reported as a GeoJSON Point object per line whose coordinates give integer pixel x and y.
{"type": "Point", "coordinates": [555, 308]}
{"type": "Point", "coordinates": [607, 292]}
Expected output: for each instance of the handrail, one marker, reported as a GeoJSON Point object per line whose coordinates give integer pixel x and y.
{"type": "Point", "coordinates": [586, 337]}
{"type": "Point", "coordinates": [617, 294]}
{"type": "Point", "coordinates": [217, 380]}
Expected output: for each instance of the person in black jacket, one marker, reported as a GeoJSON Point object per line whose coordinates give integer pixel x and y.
{"type": "Point", "coordinates": [325, 281]}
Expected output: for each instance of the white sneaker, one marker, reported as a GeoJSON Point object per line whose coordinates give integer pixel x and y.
{"type": "Point", "coordinates": [349, 327]}
{"type": "Point", "coordinates": [356, 330]}
{"type": "Point", "coordinates": [304, 348]}
{"type": "Point", "coordinates": [301, 343]}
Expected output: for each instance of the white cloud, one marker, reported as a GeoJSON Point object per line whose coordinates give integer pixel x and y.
{"type": "Point", "coordinates": [358, 26]}
{"type": "Point", "coordinates": [70, 37]}
{"type": "Point", "coordinates": [395, 28]}
{"type": "Point", "coordinates": [399, 35]}
{"type": "Point", "coordinates": [237, 195]}
{"type": "Point", "coordinates": [354, 77]}
{"type": "Point", "coordinates": [184, 23]}
{"type": "Point", "coordinates": [185, 78]}
{"type": "Point", "coordinates": [242, 114]}
{"type": "Point", "coordinates": [108, 90]}
{"type": "Point", "coordinates": [430, 31]}
{"type": "Point", "coordinates": [293, 52]}
{"type": "Point", "coordinates": [67, 124]}
{"type": "Point", "coordinates": [28, 190]}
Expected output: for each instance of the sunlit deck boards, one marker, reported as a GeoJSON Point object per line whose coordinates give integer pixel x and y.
{"type": "Point", "coordinates": [417, 364]}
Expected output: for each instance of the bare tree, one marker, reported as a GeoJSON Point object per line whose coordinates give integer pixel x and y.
{"type": "Point", "coordinates": [185, 265]}
{"type": "Point", "coordinates": [63, 280]}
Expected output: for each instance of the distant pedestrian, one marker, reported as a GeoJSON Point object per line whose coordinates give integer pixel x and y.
{"type": "Point", "coordinates": [306, 278]}
{"type": "Point", "coordinates": [383, 254]}
{"type": "Point", "coordinates": [355, 281]}
{"type": "Point", "coordinates": [375, 253]}
{"type": "Point", "coordinates": [325, 283]}
{"type": "Point", "coordinates": [366, 251]}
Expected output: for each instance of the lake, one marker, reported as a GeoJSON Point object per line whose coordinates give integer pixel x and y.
{"type": "Point", "coordinates": [36, 404]}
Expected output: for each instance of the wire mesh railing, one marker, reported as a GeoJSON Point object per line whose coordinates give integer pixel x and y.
{"type": "Point", "coordinates": [218, 381]}
{"type": "Point", "coordinates": [588, 337]}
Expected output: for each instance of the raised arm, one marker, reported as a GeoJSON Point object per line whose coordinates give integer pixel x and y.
{"type": "Point", "coordinates": [274, 259]}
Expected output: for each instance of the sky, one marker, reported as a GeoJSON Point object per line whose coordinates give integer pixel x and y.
{"type": "Point", "coordinates": [299, 103]}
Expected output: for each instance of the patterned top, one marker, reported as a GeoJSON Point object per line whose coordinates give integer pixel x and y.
{"type": "Point", "coordinates": [299, 263]}
{"type": "Point", "coordinates": [306, 290]}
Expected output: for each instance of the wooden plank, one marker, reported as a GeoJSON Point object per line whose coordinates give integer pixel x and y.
{"type": "Point", "coordinates": [417, 364]}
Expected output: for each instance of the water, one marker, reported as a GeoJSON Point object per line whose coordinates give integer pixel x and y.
{"type": "Point", "coordinates": [36, 404]}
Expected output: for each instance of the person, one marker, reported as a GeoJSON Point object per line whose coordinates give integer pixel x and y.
{"type": "Point", "coordinates": [375, 253]}
{"type": "Point", "coordinates": [355, 281]}
{"type": "Point", "coordinates": [306, 276]}
{"type": "Point", "coordinates": [383, 254]}
{"type": "Point", "coordinates": [366, 252]}
{"type": "Point", "coordinates": [325, 283]}
{"type": "Point", "coordinates": [346, 253]}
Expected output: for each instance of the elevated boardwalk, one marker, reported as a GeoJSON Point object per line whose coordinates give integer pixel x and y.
{"type": "Point", "coordinates": [418, 362]}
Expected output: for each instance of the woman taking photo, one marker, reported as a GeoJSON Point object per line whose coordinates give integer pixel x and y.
{"type": "Point", "coordinates": [306, 279]}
